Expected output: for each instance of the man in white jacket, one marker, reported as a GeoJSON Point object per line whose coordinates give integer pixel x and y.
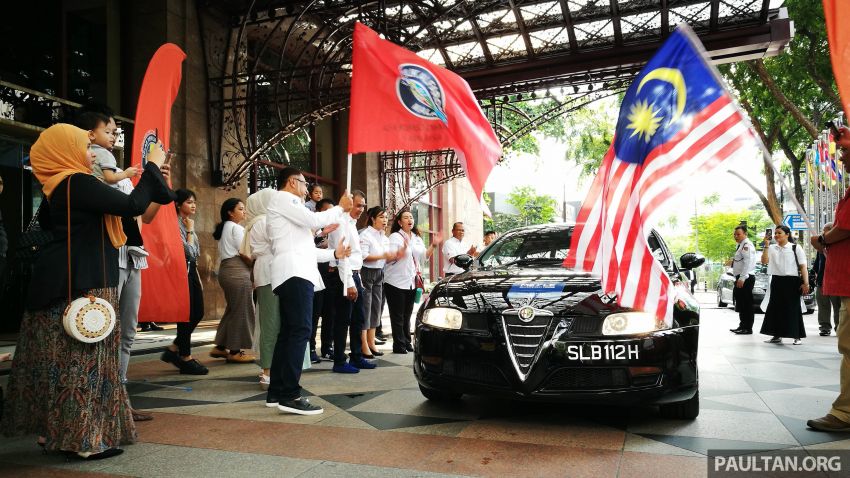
{"type": "Point", "coordinates": [295, 278]}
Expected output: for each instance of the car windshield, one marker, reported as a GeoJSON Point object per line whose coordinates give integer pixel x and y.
{"type": "Point", "coordinates": [544, 245]}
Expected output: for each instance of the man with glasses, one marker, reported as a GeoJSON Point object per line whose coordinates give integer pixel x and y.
{"type": "Point", "coordinates": [743, 268]}
{"type": "Point", "coordinates": [295, 278]}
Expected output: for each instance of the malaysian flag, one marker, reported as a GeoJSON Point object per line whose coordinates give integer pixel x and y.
{"type": "Point", "coordinates": [677, 122]}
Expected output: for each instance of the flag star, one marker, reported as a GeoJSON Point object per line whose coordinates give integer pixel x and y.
{"type": "Point", "coordinates": [643, 120]}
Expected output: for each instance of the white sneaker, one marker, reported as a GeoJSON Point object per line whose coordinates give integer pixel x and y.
{"type": "Point", "coordinates": [264, 381]}
{"type": "Point", "coordinates": [798, 342]}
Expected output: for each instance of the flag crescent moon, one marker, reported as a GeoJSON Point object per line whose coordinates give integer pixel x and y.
{"type": "Point", "coordinates": [675, 78]}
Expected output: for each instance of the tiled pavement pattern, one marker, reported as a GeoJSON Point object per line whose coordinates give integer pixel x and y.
{"type": "Point", "coordinates": [376, 423]}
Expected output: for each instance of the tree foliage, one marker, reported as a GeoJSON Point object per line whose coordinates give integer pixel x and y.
{"type": "Point", "coordinates": [533, 209]}
{"type": "Point", "coordinates": [789, 96]}
{"type": "Point", "coordinates": [714, 232]}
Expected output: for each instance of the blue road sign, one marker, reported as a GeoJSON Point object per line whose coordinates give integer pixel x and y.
{"type": "Point", "coordinates": [796, 222]}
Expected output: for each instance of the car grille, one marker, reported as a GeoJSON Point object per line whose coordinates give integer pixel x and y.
{"type": "Point", "coordinates": [525, 338]}
{"type": "Point", "coordinates": [476, 372]}
{"type": "Point", "coordinates": [580, 378]}
{"type": "Point", "coordinates": [586, 325]}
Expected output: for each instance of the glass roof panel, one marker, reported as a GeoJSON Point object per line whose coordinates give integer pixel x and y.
{"type": "Point", "coordinates": [531, 12]}
{"type": "Point", "coordinates": [640, 25]}
{"type": "Point", "coordinates": [433, 55]}
{"type": "Point", "coordinates": [497, 17]}
{"type": "Point", "coordinates": [594, 33]}
{"type": "Point", "coordinates": [465, 53]}
{"type": "Point", "coordinates": [697, 14]}
{"type": "Point", "coordinates": [506, 46]}
{"type": "Point", "coordinates": [550, 39]}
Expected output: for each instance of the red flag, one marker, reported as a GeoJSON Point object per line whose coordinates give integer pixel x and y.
{"type": "Point", "coordinates": [400, 101]}
{"type": "Point", "coordinates": [165, 288]}
{"type": "Point", "coordinates": [839, 48]}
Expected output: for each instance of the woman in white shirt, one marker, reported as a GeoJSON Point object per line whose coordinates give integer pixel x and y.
{"type": "Point", "coordinates": [400, 278]}
{"type": "Point", "coordinates": [786, 265]}
{"type": "Point", "coordinates": [256, 245]}
{"type": "Point", "coordinates": [375, 247]}
{"type": "Point", "coordinates": [236, 328]}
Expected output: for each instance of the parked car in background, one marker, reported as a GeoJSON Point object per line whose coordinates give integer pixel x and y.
{"type": "Point", "coordinates": [519, 325]}
{"type": "Point", "coordinates": [726, 284]}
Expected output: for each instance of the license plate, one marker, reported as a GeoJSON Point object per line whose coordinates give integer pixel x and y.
{"type": "Point", "coordinates": [603, 352]}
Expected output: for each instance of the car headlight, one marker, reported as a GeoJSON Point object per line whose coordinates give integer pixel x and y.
{"type": "Point", "coordinates": [443, 317]}
{"type": "Point", "coordinates": [630, 323]}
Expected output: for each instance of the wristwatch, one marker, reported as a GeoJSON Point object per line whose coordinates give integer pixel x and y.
{"type": "Point", "coordinates": [822, 241]}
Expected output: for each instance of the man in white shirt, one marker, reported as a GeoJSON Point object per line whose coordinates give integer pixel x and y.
{"type": "Point", "coordinates": [346, 291]}
{"type": "Point", "coordinates": [454, 247]}
{"type": "Point", "coordinates": [294, 279]}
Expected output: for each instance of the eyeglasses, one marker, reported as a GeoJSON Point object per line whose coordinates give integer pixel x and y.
{"type": "Point", "coordinates": [300, 180]}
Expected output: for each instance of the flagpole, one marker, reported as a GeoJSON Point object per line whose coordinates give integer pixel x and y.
{"type": "Point", "coordinates": [348, 176]}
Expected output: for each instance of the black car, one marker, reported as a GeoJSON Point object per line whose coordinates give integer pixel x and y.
{"type": "Point", "coordinates": [726, 284]}
{"type": "Point", "coordinates": [519, 325]}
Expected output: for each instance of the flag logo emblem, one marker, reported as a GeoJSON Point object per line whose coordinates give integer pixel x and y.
{"type": "Point", "coordinates": [150, 140]}
{"type": "Point", "coordinates": [421, 93]}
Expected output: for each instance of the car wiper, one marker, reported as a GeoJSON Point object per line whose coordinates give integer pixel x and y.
{"type": "Point", "coordinates": [530, 259]}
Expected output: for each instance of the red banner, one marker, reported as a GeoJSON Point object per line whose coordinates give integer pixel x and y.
{"type": "Point", "coordinates": [165, 287]}
{"type": "Point", "coordinates": [400, 101]}
{"type": "Point", "coordinates": [839, 48]}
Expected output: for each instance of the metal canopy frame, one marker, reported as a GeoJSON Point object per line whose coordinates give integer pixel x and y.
{"type": "Point", "coordinates": [285, 65]}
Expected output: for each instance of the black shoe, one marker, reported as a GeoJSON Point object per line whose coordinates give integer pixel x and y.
{"type": "Point", "coordinates": [368, 357]}
{"type": "Point", "coordinates": [735, 331]}
{"type": "Point", "coordinates": [376, 353]}
{"type": "Point", "coordinates": [380, 341]}
{"type": "Point", "coordinates": [825, 333]}
{"type": "Point", "coordinates": [145, 327]}
{"type": "Point", "coordinates": [192, 367]}
{"type": "Point", "coordinates": [271, 402]}
{"type": "Point", "coordinates": [329, 356]}
{"type": "Point", "coordinates": [108, 453]}
{"type": "Point", "coordinates": [742, 332]}
{"type": "Point", "coordinates": [314, 357]}
{"type": "Point", "coordinates": [170, 356]}
{"type": "Point", "coordinates": [299, 406]}
{"type": "Point", "coordinates": [399, 351]}
{"type": "Point", "coordinates": [408, 347]}
{"type": "Point", "coordinates": [153, 326]}
{"type": "Point", "coordinates": [380, 336]}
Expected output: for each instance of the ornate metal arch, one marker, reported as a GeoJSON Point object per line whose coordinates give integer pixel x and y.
{"type": "Point", "coordinates": [283, 65]}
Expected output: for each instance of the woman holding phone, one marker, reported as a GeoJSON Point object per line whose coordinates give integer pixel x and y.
{"type": "Point", "coordinates": [789, 281]}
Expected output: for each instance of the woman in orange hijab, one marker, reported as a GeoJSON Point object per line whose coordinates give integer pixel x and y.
{"type": "Point", "coordinates": [68, 392]}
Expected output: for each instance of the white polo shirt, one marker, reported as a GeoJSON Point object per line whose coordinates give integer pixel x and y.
{"type": "Point", "coordinates": [289, 226]}
{"type": "Point", "coordinates": [374, 242]}
{"type": "Point", "coordinates": [781, 261]}
{"type": "Point", "coordinates": [453, 248]}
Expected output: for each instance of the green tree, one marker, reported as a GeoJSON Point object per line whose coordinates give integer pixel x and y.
{"type": "Point", "coordinates": [533, 209]}
{"type": "Point", "coordinates": [789, 96]}
{"type": "Point", "coordinates": [715, 232]}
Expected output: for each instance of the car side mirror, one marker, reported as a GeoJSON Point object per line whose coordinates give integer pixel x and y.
{"type": "Point", "coordinates": [691, 260]}
{"type": "Point", "coordinates": [464, 261]}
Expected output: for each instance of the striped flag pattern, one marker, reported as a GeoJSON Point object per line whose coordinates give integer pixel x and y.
{"type": "Point", "coordinates": [610, 237]}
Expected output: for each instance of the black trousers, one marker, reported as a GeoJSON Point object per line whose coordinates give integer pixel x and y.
{"type": "Point", "coordinates": [183, 341]}
{"type": "Point", "coordinates": [295, 297]}
{"type": "Point", "coordinates": [744, 303]}
{"type": "Point", "coordinates": [321, 310]}
{"type": "Point", "coordinates": [348, 318]}
{"type": "Point", "coordinates": [400, 302]}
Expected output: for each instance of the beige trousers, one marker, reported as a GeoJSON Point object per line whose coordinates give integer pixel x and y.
{"type": "Point", "coordinates": [841, 405]}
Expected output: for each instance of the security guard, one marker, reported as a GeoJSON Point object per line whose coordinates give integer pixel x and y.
{"type": "Point", "coordinates": [743, 268]}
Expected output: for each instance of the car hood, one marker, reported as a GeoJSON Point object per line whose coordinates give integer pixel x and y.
{"type": "Point", "coordinates": [553, 288]}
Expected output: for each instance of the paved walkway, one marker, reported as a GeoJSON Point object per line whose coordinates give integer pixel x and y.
{"type": "Point", "coordinates": [753, 396]}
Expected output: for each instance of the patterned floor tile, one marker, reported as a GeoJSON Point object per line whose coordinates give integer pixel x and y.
{"type": "Point", "coordinates": [807, 436]}
{"type": "Point", "coordinates": [390, 421]}
{"type": "Point", "coordinates": [719, 424]}
{"type": "Point", "coordinates": [646, 445]}
{"type": "Point", "coordinates": [411, 402]}
{"type": "Point", "coordinates": [701, 445]}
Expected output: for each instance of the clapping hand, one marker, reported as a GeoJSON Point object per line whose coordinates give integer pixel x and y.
{"type": "Point", "coordinates": [342, 250]}
{"type": "Point", "coordinates": [346, 201]}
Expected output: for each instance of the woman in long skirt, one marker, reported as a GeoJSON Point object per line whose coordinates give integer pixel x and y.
{"type": "Point", "coordinates": [236, 328]}
{"type": "Point", "coordinates": [66, 391]}
{"type": "Point", "coordinates": [789, 280]}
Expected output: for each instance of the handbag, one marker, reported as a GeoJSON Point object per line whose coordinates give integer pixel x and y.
{"type": "Point", "coordinates": [33, 238]}
{"type": "Point", "coordinates": [88, 319]}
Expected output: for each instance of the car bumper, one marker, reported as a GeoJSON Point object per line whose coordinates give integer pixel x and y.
{"type": "Point", "coordinates": [479, 364]}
